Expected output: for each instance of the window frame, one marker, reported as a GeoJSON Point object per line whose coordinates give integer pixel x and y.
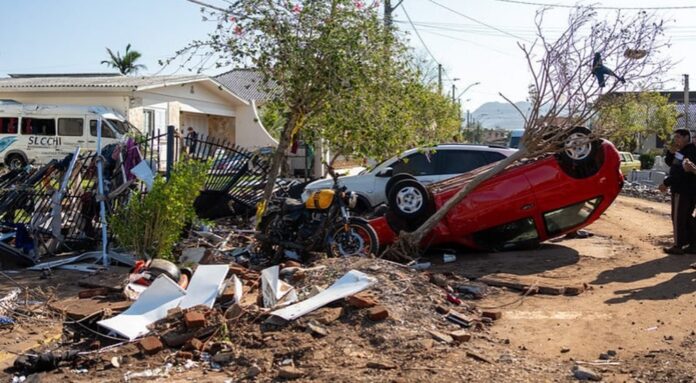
{"type": "Point", "coordinates": [599, 199]}
{"type": "Point", "coordinates": [82, 119]}
{"type": "Point", "coordinates": [55, 126]}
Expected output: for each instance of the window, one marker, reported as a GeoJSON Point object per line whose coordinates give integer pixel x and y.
{"type": "Point", "coordinates": [417, 164]}
{"type": "Point", "coordinates": [508, 235]}
{"type": "Point", "coordinates": [460, 161]}
{"type": "Point", "coordinates": [106, 131]}
{"type": "Point", "coordinates": [149, 121]}
{"type": "Point", "coordinates": [39, 126]}
{"type": "Point", "coordinates": [570, 216]}
{"type": "Point", "coordinates": [8, 125]}
{"type": "Point", "coordinates": [492, 157]}
{"type": "Point", "coordinates": [70, 126]}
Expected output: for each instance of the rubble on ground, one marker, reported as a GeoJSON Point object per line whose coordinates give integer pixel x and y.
{"type": "Point", "coordinates": [643, 191]}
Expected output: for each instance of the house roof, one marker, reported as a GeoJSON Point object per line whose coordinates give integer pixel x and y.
{"type": "Point", "coordinates": [88, 81]}
{"type": "Point", "coordinates": [248, 84]}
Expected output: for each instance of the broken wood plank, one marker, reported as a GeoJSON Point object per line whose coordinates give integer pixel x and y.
{"type": "Point", "coordinates": [532, 284]}
{"type": "Point", "coordinates": [76, 308]}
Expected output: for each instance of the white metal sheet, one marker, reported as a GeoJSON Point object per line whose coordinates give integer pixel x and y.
{"type": "Point", "coordinates": [205, 285]}
{"type": "Point", "coordinates": [352, 283]}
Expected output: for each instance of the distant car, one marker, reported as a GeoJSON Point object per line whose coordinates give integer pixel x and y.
{"type": "Point", "coordinates": [628, 163]}
{"type": "Point", "coordinates": [521, 207]}
{"type": "Point", "coordinates": [427, 165]}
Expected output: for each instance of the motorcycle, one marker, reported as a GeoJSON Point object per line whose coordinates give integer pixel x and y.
{"type": "Point", "coordinates": [322, 223]}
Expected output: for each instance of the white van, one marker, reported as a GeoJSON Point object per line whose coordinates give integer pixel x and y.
{"type": "Point", "coordinates": [40, 133]}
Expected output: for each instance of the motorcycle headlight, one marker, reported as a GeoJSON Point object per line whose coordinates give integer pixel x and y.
{"type": "Point", "coordinates": [305, 195]}
{"type": "Point", "coordinates": [352, 200]}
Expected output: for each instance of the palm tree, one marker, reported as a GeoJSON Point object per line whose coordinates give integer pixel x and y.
{"type": "Point", "coordinates": [126, 64]}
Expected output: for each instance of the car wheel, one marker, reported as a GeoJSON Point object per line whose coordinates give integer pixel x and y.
{"type": "Point", "coordinates": [410, 199]}
{"type": "Point", "coordinates": [580, 157]}
{"type": "Point", "coordinates": [15, 161]}
{"type": "Point", "coordinates": [394, 179]}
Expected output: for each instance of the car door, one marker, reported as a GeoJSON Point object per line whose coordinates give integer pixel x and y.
{"type": "Point", "coordinates": [420, 165]}
{"type": "Point", "coordinates": [452, 162]}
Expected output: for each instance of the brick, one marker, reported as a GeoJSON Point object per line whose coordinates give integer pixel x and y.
{"type": "Point", "coordinates": [362, 301]}
{"type": "Point", "coordinates": [460, 335]}
{"type": "Point", "coordinates": [238, 270]}
{"type": "Point", "coordinates": [186, 355]}
{"type": "Point", "coordinates": [194, 319]}
{"type": "Point", "coordinates": [151, 345]}
{"type": "Point", "coordinates": [227, 295]}
{"type": "Point", "coordinates": [378, 313]}
{"type": "Point", "coordinates": [193, 344]}
{"type": "Point", "coordinates": [495, 315]}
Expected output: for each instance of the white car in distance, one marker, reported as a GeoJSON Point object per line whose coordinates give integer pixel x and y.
{"type": "Point", "coordinates": [427, 165]}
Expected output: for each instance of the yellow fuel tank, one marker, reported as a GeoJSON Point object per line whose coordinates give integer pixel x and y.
{"type": "Point", "coordinates": [320, 199]}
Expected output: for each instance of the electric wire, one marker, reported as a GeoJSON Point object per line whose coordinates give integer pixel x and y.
{"type": "Point", "coordinates": [521, 2]}
{"type": "Point", "coordinates": [477, 21]}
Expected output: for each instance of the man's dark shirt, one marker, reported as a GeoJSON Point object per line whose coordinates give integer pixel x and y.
{"type": "Point", "coordinates": [678, 180]}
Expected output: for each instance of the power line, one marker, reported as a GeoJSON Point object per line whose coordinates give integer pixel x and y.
{"type": "Point", "coordinates": [476, 20]}
{"type": "Point", "coordinates": [419, 36]}
{"type": "Point", "coordinates": [593, 7]}
{"type": "Point", "coordinates": [471, 42]}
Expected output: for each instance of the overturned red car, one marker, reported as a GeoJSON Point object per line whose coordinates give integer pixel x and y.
{"type": "Point", "coordinates": [519, 208]}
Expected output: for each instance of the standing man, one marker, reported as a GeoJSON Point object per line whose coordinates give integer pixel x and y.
{"type": "Point", "coordinates": [682, 185]}
{"type": "Point", "coordinates": [191, 139]}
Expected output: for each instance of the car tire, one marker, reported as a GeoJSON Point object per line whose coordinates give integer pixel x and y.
{"type": "Point", "coordinates": [410, 200]}
{"type": "Point", "coordinates": [394, 179]}
{"type": "Point", "coordinates": [581, 161]}
{"type": "Point", "coordinates": [15, 161]}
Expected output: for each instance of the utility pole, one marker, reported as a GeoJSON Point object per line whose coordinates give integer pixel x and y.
{"type": "Point", "coordinates": [388, 10]}
{"type": "Point", "coordinates": [439, 78]}
{"type": "Point", "coordinates": [453, 92]}
{"type": "Point", "coordinates": [686, 101]}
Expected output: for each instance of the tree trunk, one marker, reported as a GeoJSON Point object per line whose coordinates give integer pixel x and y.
{"type": "Point", "coordinates": [409, 242]}
{"type": "Point", "coordinates": [279, 157]}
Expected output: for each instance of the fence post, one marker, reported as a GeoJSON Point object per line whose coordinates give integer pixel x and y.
{"type": "Point", "coordinates": [170, 150]}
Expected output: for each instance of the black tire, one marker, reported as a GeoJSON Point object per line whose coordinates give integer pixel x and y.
{"type": "Point", "coordinates": [359, 240]}
{"type": "Point", "coordinates": [410, 200]}
{"type": "Point", "coordinates": [161, 266]}
{"type": "Point", "coordinates": [15, 161]}
{"type": "Point", "coordinates": [394, 179]}
{"type": "Point", "coordinates": [581, 161]}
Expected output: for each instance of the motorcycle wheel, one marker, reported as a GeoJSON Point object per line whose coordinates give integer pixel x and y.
{"type": "Point", "coordinates": [358, 238]}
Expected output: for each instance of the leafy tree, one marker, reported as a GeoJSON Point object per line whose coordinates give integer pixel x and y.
{"type": "Point", "coordinates": [328, 58]}
{"type": "Point", "coordinates": [629, 118]}
{"type": "Point", "coordinates": [125, 64]}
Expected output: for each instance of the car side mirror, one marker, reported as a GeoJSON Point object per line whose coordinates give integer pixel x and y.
{"type": "Point", "coordinates": [386, 172]}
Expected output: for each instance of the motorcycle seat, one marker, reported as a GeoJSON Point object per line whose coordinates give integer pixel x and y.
{"type": "Point", "coordinates": [292, 204]}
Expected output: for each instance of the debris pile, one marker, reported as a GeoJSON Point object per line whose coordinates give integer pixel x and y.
{"type": "Point", "coordinates": [647, 192]}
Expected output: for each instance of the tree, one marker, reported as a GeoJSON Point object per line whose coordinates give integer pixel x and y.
{"type": "Point", "coordinates": [628, 118]}
{"type": "Point", "coordinates": [322, 55]}
{"type": "Point", "coordinates": [127, 64]}
{"type": "Point", "coordinates": [564, 86]}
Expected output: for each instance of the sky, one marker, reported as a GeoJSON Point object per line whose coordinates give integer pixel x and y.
{"type": "Point", "coordinates": [474, 40]}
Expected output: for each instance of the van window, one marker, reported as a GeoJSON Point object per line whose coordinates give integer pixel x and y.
{"type": "Point", "coordinates": [70, 126]}
{"type": "Point", "coordinates": [39, 126]}
{"type": "Point", "coordinates": [106, 131]}
{"type": "Point", "coordinates": [8, 125]}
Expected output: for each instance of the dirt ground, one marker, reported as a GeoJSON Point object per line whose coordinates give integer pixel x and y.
{"type": "Point", "coordinates": [640, 305]}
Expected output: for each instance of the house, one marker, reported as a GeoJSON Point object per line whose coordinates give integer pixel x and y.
{"type": "Point", "coordinates": [152, 102]}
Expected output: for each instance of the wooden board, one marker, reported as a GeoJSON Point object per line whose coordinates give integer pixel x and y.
{"type": "Point", "coordinates": [76, 308]}
{"type": "Point", "coordinates": [536, 284]}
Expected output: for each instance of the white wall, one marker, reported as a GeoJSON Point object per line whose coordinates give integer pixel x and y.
{"type": "Point", "coordinates": [250, 132]}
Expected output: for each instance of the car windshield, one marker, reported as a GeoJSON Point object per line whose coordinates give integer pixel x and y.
{"type": "Point", "coordinates": [122, 127]}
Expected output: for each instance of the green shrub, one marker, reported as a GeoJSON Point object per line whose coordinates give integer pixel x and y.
{"type": "Point", "coordinates": [647, 160]}
{"type": "Point", "coordinates": [149, 225]}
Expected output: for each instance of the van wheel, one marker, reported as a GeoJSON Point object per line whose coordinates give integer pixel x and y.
{"type": "Point", "coordinates": [15, 161]}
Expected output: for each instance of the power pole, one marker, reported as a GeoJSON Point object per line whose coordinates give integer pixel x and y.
{"type": "Point", "coordinates": [439, 78]}
{"type": "Point", "coordinates": [388, 10]}
{"type": "Point", "coordinates": [453, 91]}
{"type": "Point", "coordinates": [686, 101]}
